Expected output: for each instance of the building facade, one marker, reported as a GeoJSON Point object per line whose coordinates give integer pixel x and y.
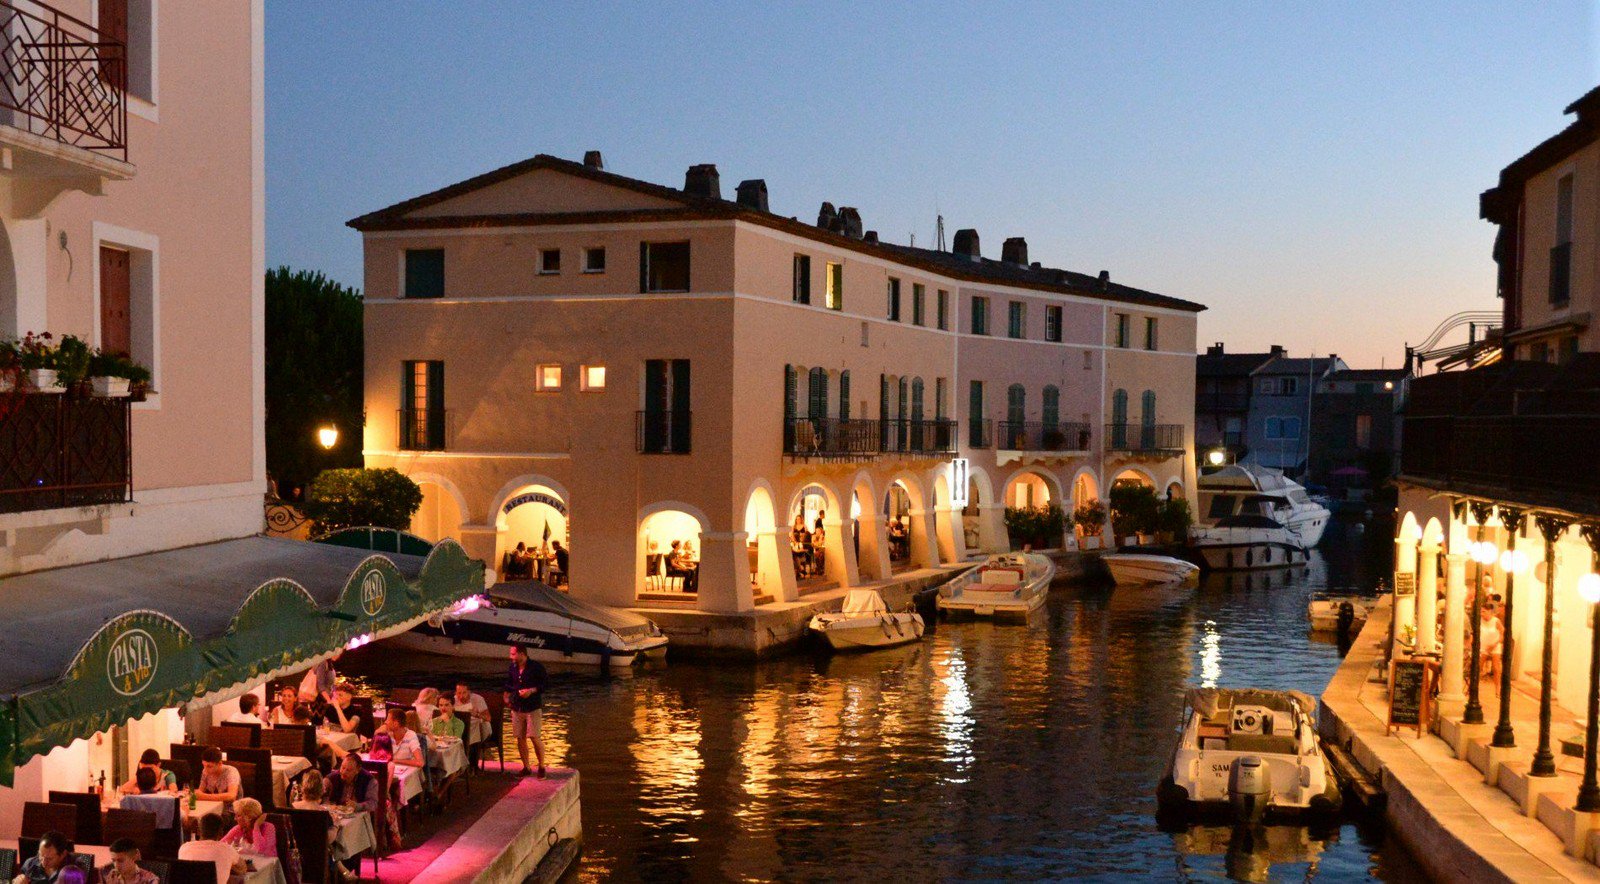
{"type": "Point", "coordinates": [556, 352]}
{"type": "Point", "coordinates": [1278, 432]}
{"type": "Point", "coordinates": [1224, 388]}
{"type": "Point", "coordinates": [1355, 427]}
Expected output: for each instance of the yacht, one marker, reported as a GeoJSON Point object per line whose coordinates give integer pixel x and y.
{"type": "Point", "coordinates": [553, 626]}
{"type": "Point", "coordinates": [1009, 584]}
{"type": "Point", "coordinates": [866, 623]}
{"type": "Point", "coordinates": [1134, 569]}
{"type": "Point", "coordinates": [1250, 490]}
{"type": "Point", "coordinates": [1247, 542]}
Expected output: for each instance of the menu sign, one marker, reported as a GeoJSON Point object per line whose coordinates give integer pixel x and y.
{"type": "Point", "coordinates": [1410, 687]}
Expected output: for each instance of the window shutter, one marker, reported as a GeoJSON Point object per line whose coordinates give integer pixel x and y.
{"type": "Point", "coordinates": [1052, 407]}
{"type": "Point", "coordinates": [844, 395]}
{"type": "Point", "coordinates": [655, 405]}
{"type": "Point", "coordinates": [644, 267]}
{"type": "Point", "coordinates": [791, 392]}
{"type": "Point", "coordinates": [680, 405]}
{"type": "Point", "coordinates": [436, 405]}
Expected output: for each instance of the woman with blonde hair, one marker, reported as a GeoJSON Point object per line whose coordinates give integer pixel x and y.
{"type": "Point", "coordinates": [252, 834]}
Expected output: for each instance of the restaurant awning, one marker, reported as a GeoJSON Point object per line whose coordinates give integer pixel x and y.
{"type": "Point", "coordinates": [91, 646]}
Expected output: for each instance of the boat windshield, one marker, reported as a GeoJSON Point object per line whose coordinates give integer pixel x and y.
{"type": "Point", "coordinates": [1221, 506]}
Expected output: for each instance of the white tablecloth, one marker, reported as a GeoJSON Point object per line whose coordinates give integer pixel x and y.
{"type": "Point", "coordinates": [354, 834]}
{"type": "Point", "coordinates": [408, 778]}
{"type": "Point", "coordinates": [268, 871]}
{"type": "Point", "coordinates": [347, 742]}
{"type": "Point", "coordinates": [452, 753]}
{"type": "Point", "coordinates": [284, 769]}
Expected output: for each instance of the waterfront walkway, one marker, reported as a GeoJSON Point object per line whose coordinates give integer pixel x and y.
{"type": "Point", "coordinates": [1456, 824]}
{"type": "Point", "coordinates": [499, 832]}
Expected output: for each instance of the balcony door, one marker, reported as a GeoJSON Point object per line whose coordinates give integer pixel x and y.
{"type": "Point", "coordinates": [116, 292]}
{"type": "Point", "coordinates": [666, 405]}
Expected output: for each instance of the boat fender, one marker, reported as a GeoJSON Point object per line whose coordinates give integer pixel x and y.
{"type": "Point", "coordinates": [885, 624]}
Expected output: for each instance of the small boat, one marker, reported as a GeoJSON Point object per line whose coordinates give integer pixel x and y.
{"type": "Point", "coordinates": [1250, 755]}
{"type": "Point", "coordinates": [1247, 542]}
{"type": "Point", "coordinates": [1134, 569]}
{"type": "Point", "coordinates": [1325, 612]}
{"type": "Point", "coordinates": [553, 626]}
{"type": "Point", "coordinates": [866, 623]}
{"type": "Point", "coordinates": [1009, 584]}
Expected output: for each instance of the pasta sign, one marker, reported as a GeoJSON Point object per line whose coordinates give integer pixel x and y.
{"type": "Point", "coordinates": [131, 662]}
{"type": "Point", "coordinates": [374, 590]}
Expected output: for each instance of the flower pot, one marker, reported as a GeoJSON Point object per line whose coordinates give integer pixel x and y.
{"type": "Point", "coordinates": [42, 380]}
{"type": "Point", "coordinates": [1131, 540]}
{"type": "Point", "coordinates": [109, 388]}
{"type": "Point", "coordinates": [137, 392]}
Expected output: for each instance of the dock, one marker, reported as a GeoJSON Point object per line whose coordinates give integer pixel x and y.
{"type": "Point", "coordinates": [533, 829]}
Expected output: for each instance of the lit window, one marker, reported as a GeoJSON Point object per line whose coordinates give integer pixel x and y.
{"type": "Point", "coordinates": [550, 261]}
{"type": "Point", "coordinates": [835, 281]}
{"type": "Point", "coordinates": [548, 377]}
{"type": "Point", "coordinates": [594, 260]}
{"type": "Point", "coordinates": [590, 377]}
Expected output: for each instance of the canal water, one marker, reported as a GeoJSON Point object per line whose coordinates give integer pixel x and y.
{"type": "Point", "coordinates": [1024, 752]}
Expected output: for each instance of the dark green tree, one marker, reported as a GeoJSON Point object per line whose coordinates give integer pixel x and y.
{"type": "Point", "coordinates": [380, 498]}
{"type": "Point", "coordinates": [313, 376]}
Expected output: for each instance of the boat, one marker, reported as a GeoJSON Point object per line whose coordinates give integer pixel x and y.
{"type": "Point", "coordinates": [1008, 584]}
{"type": "Point", "coordinates": [1251, 490]}
{"type": "Point", "coordinates": [865, 622]}
{"type": "Point", "coordinates": [1250, 755]}
{"type": "Point", "coordinates": [552, 625]}
{"type": "Point", "coordinates": [1247, 542]}
{"type": "Point", "coordinates": [1325, 612]}
{"type": "Point", "coordinates": [1134, 569]}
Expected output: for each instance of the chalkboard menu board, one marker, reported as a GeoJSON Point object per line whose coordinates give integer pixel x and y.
{"type": "Point", "coordinates": [1405, 583]}
{"type": "Point", "coordinates": [1410, 683]}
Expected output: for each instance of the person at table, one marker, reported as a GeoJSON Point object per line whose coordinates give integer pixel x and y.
{"type": "Point", "coordinates": [525, 684]}
{"type": "Point", "coordinates": [351, 786]}
{"type": "Point", "coordinates": [124, 865]}
{"type": "Point", "coordinates": [426, 707]}
{"type": "Point", "coordinates": [251, 833]}
{"type": "Point", "coordinates": [446, 724]}
{"type": "Point", "coordinates": [319, 681]}
{"type": "Point", "coordinates": [150, 760]}
{"type": "Point", "coordinates": [53, 864]}
{"type": "Point", "coordinates": [340, 715]}
{"type": "Point", "coordinates": [561, 557]}
{"type": "Point", "coordinates": [218, 781]}
{"type": "Point", "coordinates": [249, 711]}
{"type": "Point", "coordinates": [819, 548]}
{"type": "Point", "coordinates": [312, 790]}
{"type": "Point", "coordinates": [288, 702]}
{"type": "Point", "coordinates": [209, 848]}
{"type": "Point", "coordinates": [406, 748]}
{"type": "Point", "coordinates": [474, 705]}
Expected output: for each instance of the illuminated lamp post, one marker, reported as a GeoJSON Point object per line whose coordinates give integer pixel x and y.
{"type": "Point", "coordinates": [1544, 761]}
{"type": "Point", "coordinates": [1512, 562]}
{"type": "Point", "coordinates": [1589, 588]}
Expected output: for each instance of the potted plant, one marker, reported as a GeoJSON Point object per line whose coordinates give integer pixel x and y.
{"type": "Point", "coordinates": [1173, 519]}
{"type": "Point", "coordinates": [1090, 520]}
{"type": "Point", "coordinates": [72, 364]}
{"type": "Point", "coordinates": [37, 356]}
{"type": "Point", "coordinates": [1133, 511]}
{"type": "Point", "coordinates": [110, 374]}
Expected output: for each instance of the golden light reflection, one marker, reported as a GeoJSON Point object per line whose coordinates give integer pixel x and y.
{"type": "Point", "coordinates": [955, 724]}
{"type": "Point", "coordinates": [1210, 655]}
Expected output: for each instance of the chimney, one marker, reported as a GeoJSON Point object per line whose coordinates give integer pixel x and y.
{"type": "Point", "coordinates": [966, 243]}
{"type": "Point", "coordinates": [702, 180]}
{"type": "Point", "coordinates": [850, 222]}
{"type": "Point", "coordinates": [871, 236]}
{"type": "Point", "coordinates": [1034, 266]}
{"type": "Point", "coordinates": [1014, 251]}
{"type": "Point", "coordinates": [1277, 350]}
{"type": "Point", "coordinates": [593, 160]}
{"type": "Point", "coordinates": [752, 194]}
{"type": "Point", "coordinates": [1215, 349]}
{"type": "Point", "coordinates": [1105, 280]}
{"type": "Point", "coordinates": [827, 217]}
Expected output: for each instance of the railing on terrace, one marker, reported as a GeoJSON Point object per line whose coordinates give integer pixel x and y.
{"type": "Point", "coordinates": [1519, 453]}
{"type": "Point", "coordinates": [980, 434]}
{"type": "Point", "coordinates": [60, 78]}
{"type": "Point", "coordinates": [423, 429]}
{"type": "Point", "coordinates": [1145, 438]}
{"type": "Point", "coordinates": [62, 451]}
{"type": "Point", "coordinates": [1042, 436]}
{"type": "Point", "coordinates": [860, 438]}
{"type": "Point", "coordinates": [663, 432]}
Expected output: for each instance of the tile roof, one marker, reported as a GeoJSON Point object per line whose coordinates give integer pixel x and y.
{"type": "Point", "coordinates": [1209, 365]}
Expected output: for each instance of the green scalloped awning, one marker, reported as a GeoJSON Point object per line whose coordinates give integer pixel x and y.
{"type": "Point", "coordinates": [105, 643]}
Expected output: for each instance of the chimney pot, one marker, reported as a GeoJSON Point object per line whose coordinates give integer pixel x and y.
{"type": "Point", "coordinates": [1214, 349]}
{"type": "Point", "coordinates": [1105, 276]}
{"type": "Point", "coordinates": [1034, 266]}
{"type": "Point", "coordinates": [752, 194]}
{"type": "Point", "coordinates": [1014, 251]}
{"type": "Point", "coordinates": [1277, 350]}
{"type": "Point", "coordinates": [702, 180]}
{"type": "Point", "coordinates": [871, 236]}
{"type": "Point", "coordinates": [966, 243]}
{"type": "Point", "coordinates": [593, 160]}
{"type": "Point", "coordinates": [827, 217]}
{"type": "Point", "coordinates": [850, 222]}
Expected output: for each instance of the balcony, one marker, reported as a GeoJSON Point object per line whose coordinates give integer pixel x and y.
{"type": "Point", "coordinates": [663, 432]}
{"type": "Point", "coordinates": [1042, 436]}
{"type": "Point", "coordinates": [423, 429]}
{"type": "Point", "coordinates": [847, 439]}
{"type": "Point", "coordinates": [60, 451]}
{"type": "Point", "coordinates": [1163, 439]}
{"type": "Point", "coordinates": [63, 105]}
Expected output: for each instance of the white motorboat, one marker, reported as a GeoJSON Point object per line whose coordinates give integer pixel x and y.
{"type": "Point", "coordinates": [1325, 612]}
{"type": "Point", "coordinates": [1250, 490]}
{"type": "Point", "coordinates": [1247, 542]}
{"type": "Point", "coordinates": [1249, 754]}
{"type": "Point", "coordinates": [1009, 584]}
{"type": "Point", "coordinates": [865, 622]}
{"type": "Point", "coordinates": [553, 626]}
{"type": "Point", "coordinates": [1134, 569]}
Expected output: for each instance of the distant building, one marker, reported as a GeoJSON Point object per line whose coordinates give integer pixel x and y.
{"type": "Point", "coordinates": [1223, 384]}
{"type": "Point", "coordinates": [1279, 428]}
{"type": "Point", "coordinates": [1355, 427]}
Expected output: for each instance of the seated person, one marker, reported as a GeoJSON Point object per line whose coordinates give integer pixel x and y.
{"type": "Point", "coordinates": [208, 848]}
{"type": "Point", "coordinates": [351, 786]}
{"type": "Point", "coordinates": [251, 834]}
{"type": "Point", "coordinates": [288, 701]}
{"type": "Point", "coordinates": [312, 790]}
{"type": "Point", "coordinates": [53, 864]}
{"type": "Point", "coordinates": [426, 707]}
{"type": "Point", "coordinates": [406, 747]}
{"type": "Point", "coordinates": [249, 711]}
{"type": "Point", "coordinates": [476, 707]}
{"type": "Point", "coordinates": [446, 724]}
{"type": "Point", "coordinates": [166, 780]}
{"type": "Point", "coordinates": [218, 781]}
{"type": "Point", "coordinates": [124, 865]}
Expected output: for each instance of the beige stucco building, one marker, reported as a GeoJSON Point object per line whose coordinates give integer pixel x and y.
{"type": "Point", "coordinates": [551, 347]}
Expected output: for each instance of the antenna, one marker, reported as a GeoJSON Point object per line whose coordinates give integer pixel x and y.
{"type": "Point", "coordinates": [913, 236]}
{"type": "Point", "coordinates": [939, 236]}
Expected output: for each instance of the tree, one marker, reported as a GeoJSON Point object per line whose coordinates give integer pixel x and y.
{"type": "Point", "coordinates": [1133, 508]}
{"type": "Point", "coordinates": [313, 375]}
{"type": "Point", "coordinates": [382, 498]}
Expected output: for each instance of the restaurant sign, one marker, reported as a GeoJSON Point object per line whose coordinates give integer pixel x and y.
{"type": "Point", "coordinates": [131, 662]}
{"type": "Point", "coordinates": [374, 590]}
{"type": "Point", "coordinates": [548, 500]}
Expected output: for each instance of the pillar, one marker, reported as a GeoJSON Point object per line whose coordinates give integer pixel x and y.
{"type": "Point", "coordinates": [952, 539]}
{"type": "Point", "coordinates": [840, 564]}
{"type": "Point", "coordinates": [992, 528]}
{"type": "Point", "coordinates": [1405, 606]}
{"type": "Point", "coordinates": [1428, 597]}
{"type": "Point", "coordinates": [724, 581]}
{"type": "Point", "coordinates": [1451, 679]}
{"type": "Point", "coordinates": [873, 562]}
{"type": "Point", "coordinates": [479, 542]}
{"type": "Point", "coordinates": [924, 545]}
{"type": "Point", "coordinates": [775, 565]}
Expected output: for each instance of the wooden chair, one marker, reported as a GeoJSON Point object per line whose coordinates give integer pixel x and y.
{"type": "Point", "coordinates": [249, 786]}
{"type": "Point", "coordinates": [192, 756]}
{"type": "Point", "coordinates": [311, 829]}
{"type": "Point", "coordinates": [138, 826]}
{"type": "Point", "coordinates": [189, 871]}
{"type": "Point", "coordinates": [88, 805]}
{"type": "Point", "coordinates": [236, 736]}
{"type": "Point", "coordinates": [380, 814]}
{"type": "Point", "coordinates": [260, 761]}
{"type": "Point", "coordinates": [40, 818]}
{"type": "Point", "coordinates": [368, 725]}
{"type": "Point", "coordinates": [181, 770]}
{"type": "Point", "coordinates": [8, 863]}
{"type": "Point", "coordinates": [161, 868]}
{"type": "Point", "coordinates": [288, 844]}
{"type": "Point", "coordinates": [403, 696]}
{"type": "Point", "coordinates": [290, 740]}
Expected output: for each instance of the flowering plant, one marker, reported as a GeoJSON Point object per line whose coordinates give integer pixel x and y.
{"type": "Point", "coordinates": [35, 351]}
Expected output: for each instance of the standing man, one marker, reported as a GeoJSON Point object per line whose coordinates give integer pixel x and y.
{"type": "Point", "coordinates": [525, 683]}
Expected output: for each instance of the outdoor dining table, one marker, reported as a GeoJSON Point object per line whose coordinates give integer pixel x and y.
{"type": "Point", "coordinates": [406, 780]}
{"type": "Point", "coordinates": [452, 753]}
{"type": "Point", "coordinates": [164, 805]}
{"type": "Point", "coordinates": [347, 742]}
{"type": "Point", "coordinates": [267, 870]}
{"type": "Point", "coordinates": [354, 833]}
{"type": "Point", "coordinates": [284, 769]}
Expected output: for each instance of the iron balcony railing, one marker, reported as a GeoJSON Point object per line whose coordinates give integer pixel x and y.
{"type": "Point", "coordinates": [1042, 436]}
{"type": "Point", "coordinates": [1561, 273]}
{"type": "Point", "coordinates": [980, 433]}
{"type": "Point", "coordinates": [1526, 456]}
{"type": "Point", "coordinates": [63, 451]}
{"type": "Point", "coordinates": [1145, 438]}
{"type": "Point", "coordinates": [663, 432]}
{"type": "Point", "coordinates": [62, 79]}
{"type": "Point", "coordinates": [423, 429]}
{"type": "Point", "coordinates": [860, 438]}
{"type": "Point", "coordinates": [937, 436]}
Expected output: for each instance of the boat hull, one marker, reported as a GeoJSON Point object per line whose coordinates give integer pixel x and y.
{"type": "Point", "coordinates": [1137, 570]}
{"type": "Point", "coordinates": [847, 633]}
{"type": "Point", "coordinates": [1251, 555]}
{"type": "Point", "coordinates": [477, 639]}
{"type": "Point", "coordinates": [969, 596]}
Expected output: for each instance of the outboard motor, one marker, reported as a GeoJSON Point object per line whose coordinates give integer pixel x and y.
{"type": "Point", "coordinates": [1249, 789]}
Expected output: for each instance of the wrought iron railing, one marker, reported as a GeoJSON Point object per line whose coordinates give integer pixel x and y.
{"type": "Point", "coordinates": [423, 429]}
{"type": "Point", "coordinates": [1145, 438]}
{"type": "Point", "coordinates": [980, 433]}
{"type": "Point", "coordinates": [1042, 436]}
{"type": "Point", "coordinates": [663, 432]}
{"type": "Point", "coordinates": [62, 79]}
{"type": "Point", "coordinates": [853, 438]}
{"type": "Point", "coordinates": [1529, 455]}
{"type": "Point", "coordinates": [63, 451]}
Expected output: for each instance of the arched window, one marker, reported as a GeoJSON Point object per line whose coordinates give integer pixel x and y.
{"type": "Point", "coordinates": [1119, 419]}
{"type": "Point", "coordinates": [818, 391]}
{"type": "Point", "coordinates": [1052, 408]}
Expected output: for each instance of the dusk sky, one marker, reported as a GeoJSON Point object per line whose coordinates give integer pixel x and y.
{"type": "Point", "coordinates": [1311, 174]}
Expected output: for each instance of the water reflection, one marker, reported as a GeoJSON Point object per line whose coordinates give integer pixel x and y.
{"type": "Point", "coordinates": [1019, 751]}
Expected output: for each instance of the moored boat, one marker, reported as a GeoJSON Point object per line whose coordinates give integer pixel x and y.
{"type": "Point", "coordinates": [865, 622]}
{"type": "Point", "coordinates": [1134, 569]}
{"type": "Point", "coordinates": [1247, 542]}
{"type": "Point", "coordinates": [1250, 490]}
{"type": "Point", "coordinates": [553, 626]}
{"type": "Point", "coordinates": [1008, 584]}
{"type": "Point", "coordinates": [1326, 612]}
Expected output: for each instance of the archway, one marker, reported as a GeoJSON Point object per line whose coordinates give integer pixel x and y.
{"type": "Point", "coordinates": [767, 548]}
{"type": "Point", "coordinates": [820, 548]}
{"type": "Point", "coordinates": [440, 514]}
{"type": "Point", "coordinates": [1174, 490]}
{"type": "Point", "coordinates": [10, 305]}
{"type": "Point", "coordinates": [669, 550]}
{"type": "Point", "coordinates": [983, 518]}
{"type": "Point", "coordinates": [908, 521]}
{"type": "Point", "coordinates": [868, 533]}
{"type": "Point", "coordinates": [1135, 476]}
{"type": "Point", "coordinates": [1034, 492]}
{"type": "Point", "coordinates": [1086, 490]}
{"type": "Point", "coordinates": [534, 515]}
{"type": "Point", "coordinates": [897, 520]}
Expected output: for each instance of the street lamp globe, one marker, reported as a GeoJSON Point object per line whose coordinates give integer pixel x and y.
{"type": "Point", "coordinates": [1514, 561]}
{"type": "Point", "coordinates": [1484, 553]}
{"type": "Point", "coordinates": [1216, 457]}
{"type": "Point", "coordinates": [328, 436]}
{"type": "Point", "coordinates": [1589, 587]}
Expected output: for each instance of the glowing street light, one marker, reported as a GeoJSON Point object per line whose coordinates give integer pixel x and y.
{"type": "Point", "coordinates": [1514, 561]}
{"type": "Point", "coordinates": [1216, 457]}
{"type": "Point", "coordinates": [328, 436]}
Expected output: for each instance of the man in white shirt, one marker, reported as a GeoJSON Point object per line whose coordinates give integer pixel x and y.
{"type": "Point", "coordinates": [211, 849]}
{"type": "Point", "coordinates": [407, 748]}
{"type": "Point", "coordinates": [477, 710]}
{"type": "Point", "coordinates": [247, 714]}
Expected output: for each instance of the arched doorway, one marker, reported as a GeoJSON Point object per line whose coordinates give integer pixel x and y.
{"type": "Point", "coordinates": [897, 523]}
{"type": "Point", "coordinates": [669, 545]}
{"type": "Point", "coordinates": [1174, 490]}
{"type": "Point", "coordinates": [767, 549]}
{"type": "Point", "coordinates": [536, 517]}
{"type": "Point", "coordinates": [818, 539]}
{"type": "Point", "coordinates": [440, 515]}
{"type": "Point", "coordinates": [1033, 502]}
{"type": "Point", "coordinates": [1028, 490]}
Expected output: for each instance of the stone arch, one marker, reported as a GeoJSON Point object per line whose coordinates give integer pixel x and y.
{"type": "Point", "coordinates": [837, 562]}
{"type": "Point", "coordinates": [512, 527]}
{"type": "Point", "coordinates": [983, 518]}
{"type": "Point", "coordinates": [515, 486]}
{"type": "Point", "coordinates": [10, 304]}
{"type": "Point", "coordinates": [658, 525]}
{"type": "Point", "coordinates": [441, 514]}
{"type": "Point", "coordinates": [767, 554]}
{"type": "Point", "coordinates": [1409, 529]}
{"type": "Point", "coordinates": [1174, 488]}
{"type": "Point", "coordinates": [1134, 473]}
{"type": "Point", "coordinates": [947, 523]}
{"type": "Point", "coordinates": [869, 544]}
{"type": "Point", "coordinates": [1085, 486]}
{"type": "Point", "coordinates": [1432, 533]}
{"type": "Point", "coordinates": [1050, 482]}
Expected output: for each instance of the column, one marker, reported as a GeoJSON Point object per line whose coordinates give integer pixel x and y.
{"type": "Point", "coordinates": [724, 579]}
{"type": "Point", "coordinates": [1451, 680]}
{"type": "Point", "coordinates": [1428, 597]}
{"type": "Point", "coordinates": [873, 561]}
{"type": "Point", "coordinates": [775, 565]}
{"type": "Point", "coordinates": [840, 562]}
{"type": "Point", "coordinates": [952, 539]}
{"type": "Point", "coordinates": [479, 542]}
{"type": "Point", "coordinates": [1405, 606]}
{"type": "Point", "coordinates": [992, 528]}
{"type": "Point", "coordinates": [1505, 735]}
{"type": "Point", "coordinates": [924, 546]}
{"type": "Point", "coordinates": [1544, 760]}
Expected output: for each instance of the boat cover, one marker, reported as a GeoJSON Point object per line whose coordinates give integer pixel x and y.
{"type": "Point", "coordinates": [864, 601]}
{"type": "Point", "coordinates": [1209, 701]}
{"type": "Point", "coordinates": [533, 594]}
{"type": "Point", "coordinates": [1248, 522]}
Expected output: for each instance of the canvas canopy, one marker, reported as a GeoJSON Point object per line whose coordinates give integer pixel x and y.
{"type": "Point", "coordinates": [864, 601]}
{"type": "Point", "coordinates": [93, 646]}
{"type": "Point", "coordinates": [539, 597]}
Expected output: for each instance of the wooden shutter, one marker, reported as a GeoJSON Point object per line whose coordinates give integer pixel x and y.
{"type": "Point", "coordinates": [113, 27]}
{"type": "Point", "coordinates": [1052, 407]}
{"type": "Point", "coordinates": [644, 267]}
{"type": "Point", "coordinates": [655, 405]}
{"type": "Point", "coordinates": [116, 329]}
{"type": "Point", "coordinates": [680, 405]}
{"type": "Point", "coordinates": [435, 406]}
{"type": "Point", "coordinates": [844, 395]}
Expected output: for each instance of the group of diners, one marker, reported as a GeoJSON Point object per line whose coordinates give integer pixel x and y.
{"type": "Point", "coordinates": [679, 565]}
{"type": "Point", "coordinates": [547, 563]}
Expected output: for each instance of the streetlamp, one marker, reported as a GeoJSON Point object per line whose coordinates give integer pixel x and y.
{"type": "Point", "coordinates": [1482, 553]}
{"type": "Point", "coordinates": [1216, 456]}
{"type": "Point", "coordinates": [1544, 760]}
{"type": "Point", "coordinates": [1512, 562]}
{"type": "Point", "coordinates": [1589, 588]}
{"type": "Point", "coordinates": [328, 436]}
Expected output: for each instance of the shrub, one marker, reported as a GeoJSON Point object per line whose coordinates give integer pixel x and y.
{"type": "Point", "coordinates": [1041, 525]}
{"type": "Point", "coordinates": [354, 498]}
{"type": "Point", "coordinates": [1090, 517]}
{"type": "Point", "coordinates": [1174, 517]}
{"type": "Point", "coordinates": [1133, 508]}
{"type": "Point", "coordinates": [72, 359]}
